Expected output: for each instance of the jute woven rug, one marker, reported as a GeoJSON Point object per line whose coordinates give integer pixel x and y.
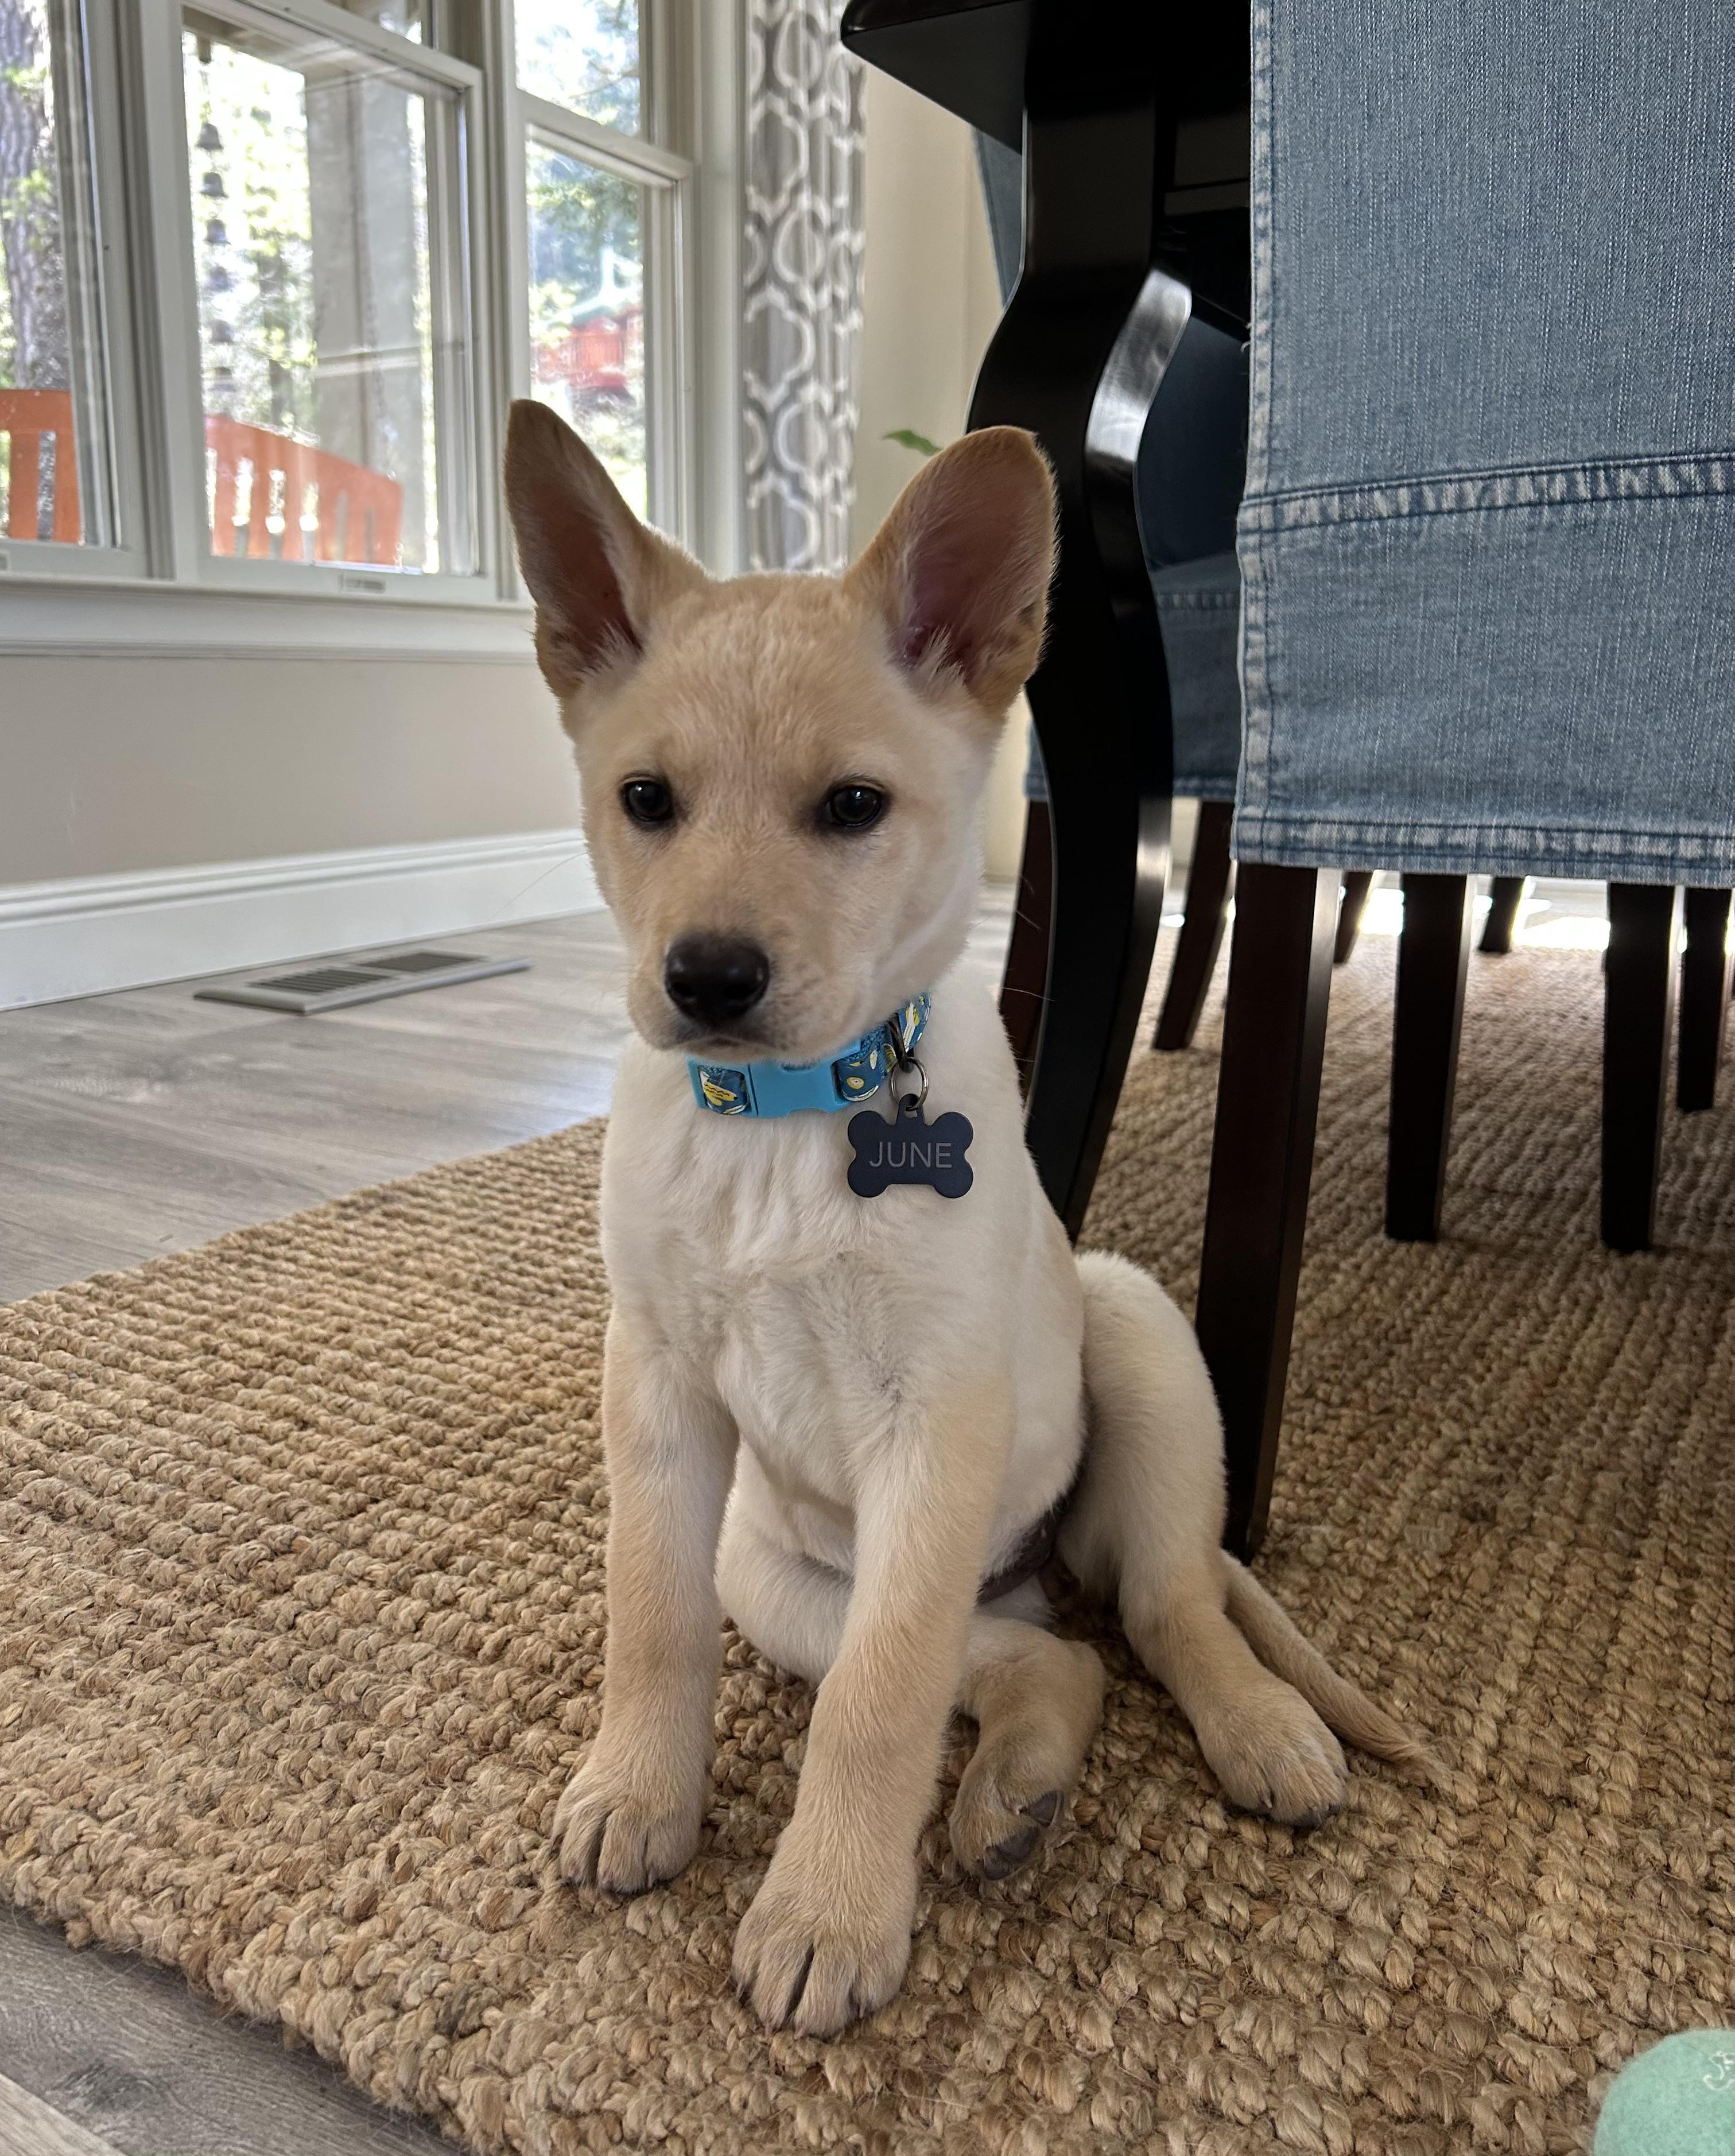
{"type": "Point", "coordinates": [301, 1614]}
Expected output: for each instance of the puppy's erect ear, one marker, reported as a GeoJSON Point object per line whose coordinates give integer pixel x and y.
{"type": "Point", "coordinates": [960, 567]}
{"type": "Point", "coordinates": [597, 576]}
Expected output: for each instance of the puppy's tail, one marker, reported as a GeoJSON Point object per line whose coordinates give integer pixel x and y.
{"type": "Point", "coordinates": [1271, 1632]}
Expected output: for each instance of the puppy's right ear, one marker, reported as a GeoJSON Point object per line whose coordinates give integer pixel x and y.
{"type": "Point", "coordinates": [599, 577]}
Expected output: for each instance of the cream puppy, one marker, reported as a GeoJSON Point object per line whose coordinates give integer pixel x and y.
{"type": "Point", "coordinates": [837, 1416]}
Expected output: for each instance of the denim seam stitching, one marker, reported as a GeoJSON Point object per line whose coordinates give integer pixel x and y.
{"type": "Point", "coordinates": [1347, 841]}
{"type": "Point", "coordinates": [1451, 827]}
{"type": "Point", "coordinates": [1252, 650]}
{"type": "Point", "coordinates": [1262, 404]}
{"type": "Point", "coordinates": [1694, 476]}
{"type": "Point", "coordinates": [1513, 851]}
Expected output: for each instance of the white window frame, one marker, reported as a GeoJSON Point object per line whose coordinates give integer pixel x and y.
{"type": "Point", "coordinates": [183, 537]}
{"type": "Point", "coordinates": [164, 590]}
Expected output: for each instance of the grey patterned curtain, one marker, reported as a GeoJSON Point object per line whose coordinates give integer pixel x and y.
{"type": "Point", "coordinates": [803, 323]}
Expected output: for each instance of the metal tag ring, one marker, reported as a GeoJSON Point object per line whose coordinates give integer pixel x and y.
{"type": "Point", "coordinates": [906, 1063]}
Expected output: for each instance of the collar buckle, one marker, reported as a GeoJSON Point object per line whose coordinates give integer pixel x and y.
{"type": "Point", "coordinates": [765, 1090]}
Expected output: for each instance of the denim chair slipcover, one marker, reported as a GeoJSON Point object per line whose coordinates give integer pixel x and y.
{"type": "Point", "coordinates": [1488, 549]}
{"type": "Point", "coordinates": [1191, 468]}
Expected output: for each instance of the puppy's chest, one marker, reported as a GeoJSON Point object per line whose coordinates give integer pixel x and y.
{"type": "Point", "coordinates": [814, 1311]}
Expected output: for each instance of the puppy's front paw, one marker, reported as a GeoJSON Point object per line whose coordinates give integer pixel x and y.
{"type": "Point", "coordinates": [622, 1830]}
{"type": "Point", "coordinates": [820, 1948]}
{"type": "Point", "coordinates": [1273, 1754]}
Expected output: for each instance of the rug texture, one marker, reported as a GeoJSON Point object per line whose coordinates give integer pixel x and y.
{"type": "Point", "coordinates": [301, 1625]}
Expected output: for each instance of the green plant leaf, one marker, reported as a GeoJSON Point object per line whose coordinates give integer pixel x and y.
{"type": "Point", "coordinates": [911, 440]}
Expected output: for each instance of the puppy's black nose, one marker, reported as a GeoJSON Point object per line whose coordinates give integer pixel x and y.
{"type": "Point", "coordinates": [716, 979]}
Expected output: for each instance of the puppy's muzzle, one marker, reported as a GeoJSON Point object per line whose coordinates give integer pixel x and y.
{"type": "Point", "coordinates": [714, 980]}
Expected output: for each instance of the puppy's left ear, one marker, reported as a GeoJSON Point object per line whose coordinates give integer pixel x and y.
{"type": "Point", "coordinates": [960, 567]}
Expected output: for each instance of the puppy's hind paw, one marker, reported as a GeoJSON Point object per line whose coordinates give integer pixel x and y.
{"type": "Point", "coordinates": [1273, 1755]}
{"type": "Point", "coordinates": [1037, 1727]}
{"type": "Point", "coordinates": [994, 1838]}
{"type": "Point", "coordinates": [623, 1839]}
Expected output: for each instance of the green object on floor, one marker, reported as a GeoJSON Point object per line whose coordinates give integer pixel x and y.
{"type": "Point", "coordinates": [1677, 2099]}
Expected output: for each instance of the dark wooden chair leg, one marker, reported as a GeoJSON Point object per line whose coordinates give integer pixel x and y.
{"type": "Point", "coordinates": [1432, 963]}
{"type": "Point", "coordinates": [1025, 980]}
{"type": "Point", "coordinates": [1357, 884]}
{"type": "Point", "coordinates": [1211, 885]}
{"type": "Point", "coordinates": [1639, 1002]}
{"type": "Point", "coordinates": [1704, 999]}
{"type": "Point", "coordinates": [1505, 897]}
{"type": "Point", "coordinates": [1274, 1032]}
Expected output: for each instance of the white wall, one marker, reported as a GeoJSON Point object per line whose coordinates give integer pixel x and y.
{"type": "Point", "coordinates": [929, 304]}
{"type": "Point", "coordinates": [123, 764]}
{"type": "Point", "coordinates": [166, 814]}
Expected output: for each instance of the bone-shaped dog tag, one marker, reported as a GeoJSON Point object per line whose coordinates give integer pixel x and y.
{"type": "Point", "coordinates": [910, 1149]}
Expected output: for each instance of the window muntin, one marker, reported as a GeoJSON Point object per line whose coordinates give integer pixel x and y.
{"type": "Point", "coordinates": [407, 18]}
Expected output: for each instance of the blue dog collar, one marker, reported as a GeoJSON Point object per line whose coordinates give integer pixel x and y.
{"type": "Point", "coordinates": [788, 1089]}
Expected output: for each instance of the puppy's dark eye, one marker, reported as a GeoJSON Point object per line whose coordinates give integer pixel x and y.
{"type": "Point", "coordinates": [853, 807]}
{"type": "Point", "coordinates": [646, 801]}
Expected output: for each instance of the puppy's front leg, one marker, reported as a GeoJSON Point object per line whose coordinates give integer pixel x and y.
{"type": "Point", "coordinates": [630, 1817]}
{"type": "Point", "coordinates": [828, 1937]}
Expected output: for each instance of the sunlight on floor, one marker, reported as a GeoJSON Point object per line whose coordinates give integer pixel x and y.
{"type": "Point", "coordinates": [1565, 932]}
{"type": "Point", "coordinates": [1559, 917]}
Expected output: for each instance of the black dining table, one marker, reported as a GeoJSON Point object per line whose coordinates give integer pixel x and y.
{"type": "Point", "coordinates": [1134, 121]}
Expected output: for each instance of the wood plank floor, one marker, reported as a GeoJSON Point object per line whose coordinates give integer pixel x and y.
{"type": "Point", "coordinates": [128, 2060]}
{"type": "Point", "coordinates": [142, 1122]}
{"type": "Point", "coordinates": [139, 1123]}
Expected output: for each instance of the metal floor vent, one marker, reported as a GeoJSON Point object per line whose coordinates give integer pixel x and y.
{"type": "Point", "coordinates": [361, 981]}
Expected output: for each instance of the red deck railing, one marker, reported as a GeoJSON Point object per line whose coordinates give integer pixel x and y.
{"type": "Point", "coordinates": [25, 415]}
{"type": "Point", "coordinates": [355, 514]}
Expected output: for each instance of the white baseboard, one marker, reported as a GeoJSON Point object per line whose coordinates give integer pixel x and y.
{"type": "Point", "coordinates": [89, 934]}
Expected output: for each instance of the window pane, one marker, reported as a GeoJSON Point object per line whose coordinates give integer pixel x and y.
{"type": "Point", "coordinates": [584, 55]}
{"type": "Point", "coordinates": [309, 170]}
{"type": "Point", "coordinates": [586, 306]}
{"type": "Point", "coordinates": [52, 468]}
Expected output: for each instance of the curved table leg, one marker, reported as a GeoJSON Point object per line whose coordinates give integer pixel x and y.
{"type": "Point", "coordinates": [1025, 980]}
{"type": "Point", "coordinates": [1078, 358]}
{"type": "Point", "coordinates": [1211, 885]}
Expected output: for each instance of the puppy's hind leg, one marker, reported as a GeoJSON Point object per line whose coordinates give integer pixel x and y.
{"type": "Point", "coordinates": [1036, 1699]}
{"type": "Point", "coordinates": [1147, 1524]}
